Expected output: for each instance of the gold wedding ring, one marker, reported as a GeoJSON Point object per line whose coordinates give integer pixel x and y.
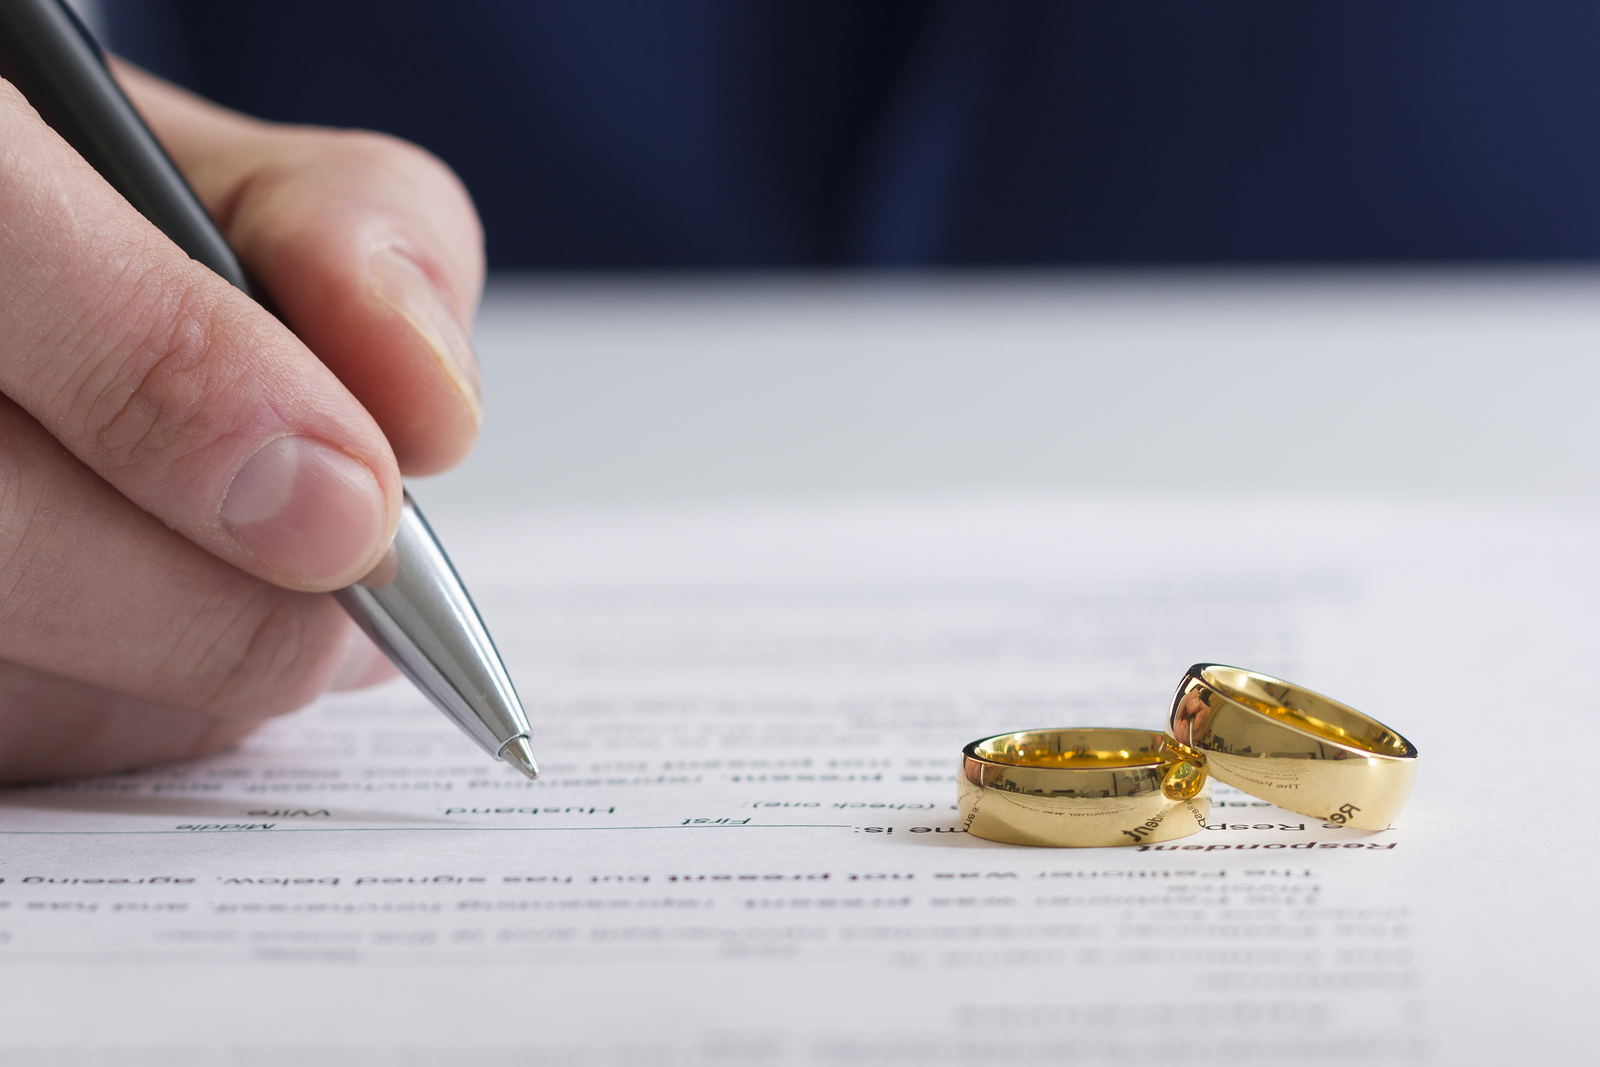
{"type": "Point", "coordinates": [1081, 788]}
{"type": "Point", "coordinates": [1293, 747]}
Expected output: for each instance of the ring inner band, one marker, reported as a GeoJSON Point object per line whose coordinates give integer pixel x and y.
{"type": "Point", "coordinates": [1099, 749]}
{"type": "Point", "coordinates": [1304, 710]}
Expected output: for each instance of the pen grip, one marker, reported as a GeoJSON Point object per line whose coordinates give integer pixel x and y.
{"type": "Point", "coordinates": [50, 56]}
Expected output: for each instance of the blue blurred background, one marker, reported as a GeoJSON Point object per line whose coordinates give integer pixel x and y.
{"type": "Point", "coordinates": [791, 133]}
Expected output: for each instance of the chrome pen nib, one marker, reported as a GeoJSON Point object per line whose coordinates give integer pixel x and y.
{"type": "Point", "coordinates": [416, 610]}
{"type": "Point", "coordinates": [519, 754]}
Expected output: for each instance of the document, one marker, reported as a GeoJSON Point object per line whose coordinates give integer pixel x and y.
{"type": "Point", "coordinates": [744, 846]}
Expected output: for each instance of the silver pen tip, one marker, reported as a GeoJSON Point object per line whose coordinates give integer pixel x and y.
{"type": "Point", "coordinates": [519, 754]}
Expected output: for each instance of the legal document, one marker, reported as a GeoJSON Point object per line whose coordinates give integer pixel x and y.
{"type": "Point", "coordinates": [744, 847]}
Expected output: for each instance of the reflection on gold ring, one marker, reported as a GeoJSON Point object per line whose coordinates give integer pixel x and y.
{"type": "Point", "coordinates": [1296, 748]}
{"type": "Point", "coordinates": [1081, 788]}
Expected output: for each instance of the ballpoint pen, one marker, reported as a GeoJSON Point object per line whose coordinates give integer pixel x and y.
{"type": "Point", "coordinates": [414, 606]}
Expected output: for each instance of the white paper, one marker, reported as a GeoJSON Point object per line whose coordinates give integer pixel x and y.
{"type": "Point", "coordinates": [743, 848]}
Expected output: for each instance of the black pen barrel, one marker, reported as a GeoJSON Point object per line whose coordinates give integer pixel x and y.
{"type": "Point", "coordinates": [48, 54]}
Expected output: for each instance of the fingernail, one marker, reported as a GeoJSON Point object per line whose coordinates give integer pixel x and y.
{"type": "Point", "coordinates": [405, 288]}
{"type": "Point", "coordinates": [308, 510]}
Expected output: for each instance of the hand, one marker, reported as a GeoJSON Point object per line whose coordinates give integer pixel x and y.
{"type": "Point", "coordinates": [181, 479]}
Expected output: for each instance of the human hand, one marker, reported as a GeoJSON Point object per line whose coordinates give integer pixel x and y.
{"type": "Point", "coordinates": [180, 477]}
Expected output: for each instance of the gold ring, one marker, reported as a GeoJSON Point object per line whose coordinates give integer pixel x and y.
{"type": "Point", "coordinates": [1293, 747]}
{"type": "Point", "coordinates": [1081, 788]}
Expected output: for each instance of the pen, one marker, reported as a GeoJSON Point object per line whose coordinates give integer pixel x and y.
{"type": "Point", "coordinates": [413, 605]}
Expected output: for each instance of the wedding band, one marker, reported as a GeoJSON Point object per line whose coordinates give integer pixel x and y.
{"type": "Point", "coordinates": [1291, 746]}
{"type": "Point", "coordinates": [1081, 788]}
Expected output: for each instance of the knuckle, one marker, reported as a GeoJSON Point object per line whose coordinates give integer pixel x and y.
{"type": "Point", "coordinates": [384, 153]}
{"type": "Point", "coordinates": [352, 161]}
{"type": "Point", "coordinates": [422, 177]}
{"type": "Point", "coordinates": [158, 395]}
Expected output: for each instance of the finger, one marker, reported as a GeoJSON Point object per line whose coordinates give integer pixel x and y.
{"type": "Point", "coordinates": [173, 386]}
{"type": "Point", "coordinates": [94, 589]}
{"type": "Point", "coordinates": [369, 246]}
{"type": "Point", "coordinates": [56, 727]}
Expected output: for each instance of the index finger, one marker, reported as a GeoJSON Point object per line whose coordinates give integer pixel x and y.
{"type": "Point", "coordinates": [172, 385]}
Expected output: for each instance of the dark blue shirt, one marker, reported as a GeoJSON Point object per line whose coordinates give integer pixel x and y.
{"type": "Point", "coordinates": [732, 133]}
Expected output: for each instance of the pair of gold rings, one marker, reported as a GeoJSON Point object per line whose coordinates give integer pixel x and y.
{"type": "Point", "coordinates": [1278, 741]}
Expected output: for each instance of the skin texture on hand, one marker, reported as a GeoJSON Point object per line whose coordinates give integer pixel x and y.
{"type": "Point", "coordinates": [369, 246]}
{"type": "Point", "coordinates": [180, 475]}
